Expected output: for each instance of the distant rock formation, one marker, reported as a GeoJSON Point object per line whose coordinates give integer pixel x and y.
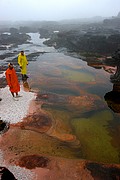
{"type": "Point", "coordinates": [118, 15]}
{"type": "Point", "coordinates": [113, 22]}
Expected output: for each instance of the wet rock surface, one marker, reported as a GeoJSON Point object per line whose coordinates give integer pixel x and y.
{"type": "Point", "coordinates": [4, 126]}
{"type": "Point", "coordinates": [13, 38]}
{"type": "Point", "coordinates": [103, 172]}
{"type": "Point", "coordinates": [5, 174]}
{"type": "Point", "coordinates": [7, 55]}
{"type": "Point", "coordinates": [3, 82]}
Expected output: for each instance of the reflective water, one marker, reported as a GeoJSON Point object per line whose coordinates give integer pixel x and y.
{"type": "Point", "coordinates": [84, 124]}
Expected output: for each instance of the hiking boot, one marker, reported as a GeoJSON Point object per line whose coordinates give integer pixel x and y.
{"type": "Point", "coordinates": [15, 99]}
{"type": "Point", "coordinates": [26, 76]}
{"type": "Point", "coordinates": [17, 96]}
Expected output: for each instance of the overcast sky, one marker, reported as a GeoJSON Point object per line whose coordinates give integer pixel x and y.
{"type": "Point", "coordinates": [57, 9]}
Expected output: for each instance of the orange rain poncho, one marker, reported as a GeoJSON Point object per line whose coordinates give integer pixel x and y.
{"type": "Point", "coordinates": [12, 80]}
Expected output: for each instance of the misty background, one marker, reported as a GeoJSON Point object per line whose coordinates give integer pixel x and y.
{"type": "Point", "coordinates": [37, 10]}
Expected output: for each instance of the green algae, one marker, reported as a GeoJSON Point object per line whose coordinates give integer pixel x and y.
{"type": "Point", "coordinates": [78, 76]}
{"type": "Point", "coordinates": [94, 137]}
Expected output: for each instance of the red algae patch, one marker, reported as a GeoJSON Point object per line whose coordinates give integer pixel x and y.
{"type": "Point", "coordinates": [38, 122]}
{"type": "Point", "coordinates": [33, 161]}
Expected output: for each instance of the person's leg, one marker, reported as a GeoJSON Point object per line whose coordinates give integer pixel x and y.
{"type": "Point", "coordinates": [12, 94]}
{"type": "Point", "coordinates": [17, 95]}
{"type": "Point", "coordinates": [22, 77]}
{"type": "Point", "coordinates": [26, 76]}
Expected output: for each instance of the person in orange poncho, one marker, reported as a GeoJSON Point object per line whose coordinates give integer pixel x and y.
{"type": "Point", "coordinates": [12, 81]}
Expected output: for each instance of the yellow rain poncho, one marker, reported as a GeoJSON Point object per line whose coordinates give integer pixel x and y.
{"type": "Point", "coordinates": [22, 61]}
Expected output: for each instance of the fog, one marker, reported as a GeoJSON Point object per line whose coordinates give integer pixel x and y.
{"type": "Point", "coordinates": [56, 9]}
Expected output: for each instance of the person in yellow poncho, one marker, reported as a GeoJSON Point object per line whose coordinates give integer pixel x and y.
{"type": "Point", "coordinates": [22, 61]}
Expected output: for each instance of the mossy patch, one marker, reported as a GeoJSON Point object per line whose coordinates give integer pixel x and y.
{"type": "Point", "coordinates": [78, 76]}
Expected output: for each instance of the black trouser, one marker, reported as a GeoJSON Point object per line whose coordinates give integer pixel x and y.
{"type": "Point", "coordinates": [24, 77]}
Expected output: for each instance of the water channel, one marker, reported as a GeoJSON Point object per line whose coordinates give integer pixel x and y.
{"type": "Point", "coordinates": [85, 127]}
